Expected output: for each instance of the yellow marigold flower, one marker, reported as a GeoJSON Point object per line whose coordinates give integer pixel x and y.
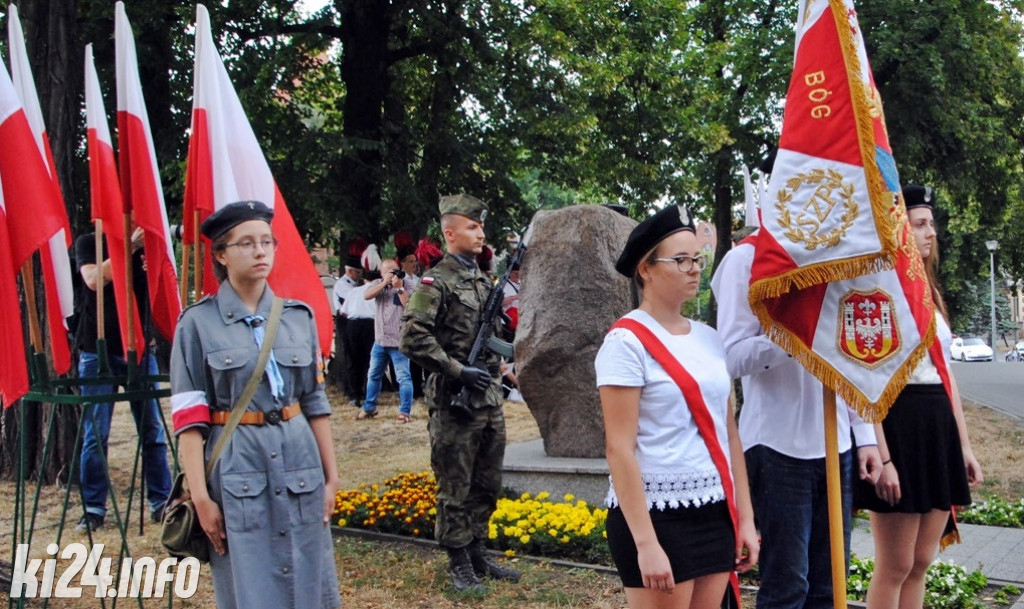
{"type": "Point", "coordinates": [564, 539]}
{"type": "Point", "coordinates": [342, 522]}
{"type": "Point", "coordinates": [510, 553]}
{"type": "Point", "coordinates": [541, 496]}
{"type": "Point", "coordinates": [524, 539]}
{"type": "Point", "coordinates": [553, 532]}
{"type": "Point", "coordinates": [569, 497]}
{"type": "Point", "coordinates": [524, 496]}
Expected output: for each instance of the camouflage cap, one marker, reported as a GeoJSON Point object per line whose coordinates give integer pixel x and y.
{"type": "Point", "coordinates": [464, 205]}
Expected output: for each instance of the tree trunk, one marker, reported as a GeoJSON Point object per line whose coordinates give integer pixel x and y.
{"type": "Point", "coordinates": [723, 215]}
{"type": "Point", "coordinates": [365, 30]}
{"type": "Point", "coordinates": [439, 141]}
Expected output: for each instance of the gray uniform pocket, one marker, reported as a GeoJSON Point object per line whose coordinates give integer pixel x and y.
{"type": "Point", "coordinates": [245, 501]}
{"type": "Point", "coordinates": [229, 372]}
{"type": "Point", "coordinates": [305, 486]}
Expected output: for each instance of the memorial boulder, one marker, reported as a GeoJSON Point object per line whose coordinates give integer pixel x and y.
{"type": "Point", "coordinates": [571, 295]}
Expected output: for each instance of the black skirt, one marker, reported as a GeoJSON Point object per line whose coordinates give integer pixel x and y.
{"type": "Point", "coordinates": [698, 541]}
{"type": "Point", "coordinates": [924, 445]}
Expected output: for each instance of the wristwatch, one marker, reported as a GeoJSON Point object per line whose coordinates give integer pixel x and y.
{"type": "Point", "coordinates": [400, 291]}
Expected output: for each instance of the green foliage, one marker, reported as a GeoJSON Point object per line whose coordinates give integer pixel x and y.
{"type": "Point", "coordinates": [540, 104]}
{"type": "Point", "coordinates": [952, 78]}
{"type": "Point", "coordinates": [995, 511]}
{"type": "Point", "coordinates": [947, 586]}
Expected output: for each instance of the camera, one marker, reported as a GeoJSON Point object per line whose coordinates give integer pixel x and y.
{"type": "Point", "coordinates": [398, 273]}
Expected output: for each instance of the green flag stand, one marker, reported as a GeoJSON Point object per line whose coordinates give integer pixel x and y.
{"type": "Point", "coordinates": [61, 392]}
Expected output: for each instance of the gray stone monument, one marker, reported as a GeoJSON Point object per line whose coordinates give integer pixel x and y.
{"type": "Point", "coordinates": [571, 295]}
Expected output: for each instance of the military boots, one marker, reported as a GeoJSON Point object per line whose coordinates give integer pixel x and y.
{"type": "Point", "coordinates": [485, 566]}
{"type": "Point", "coordinates": [460, 567]}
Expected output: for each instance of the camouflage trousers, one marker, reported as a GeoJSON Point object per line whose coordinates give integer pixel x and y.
{"type": "Point", "coordinates": [466, 456]}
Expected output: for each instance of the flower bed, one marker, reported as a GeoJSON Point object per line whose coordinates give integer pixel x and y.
{"type": "Point", "coordinates": [406, 505]}
{"type": "Point", "coordinates": [572, 530]}
{"type": "Point", "coordinates": [995, 511]}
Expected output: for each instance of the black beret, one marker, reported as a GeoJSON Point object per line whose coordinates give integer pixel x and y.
{"type": "Point", "coordinates": [918, 196]}
{"type": "Point", "coordinates": [405, 251]}
{"type": "Point", "coordinates": [353, 261]}
{"type": "Point", "coordinates": [768, 163]}
{"type": "Point", "coordinates": [231, 215]}
{"type": "Point", "coordinates": [650, 233]}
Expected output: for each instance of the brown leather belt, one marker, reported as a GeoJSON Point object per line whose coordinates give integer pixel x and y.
{"type": "Point", "coordinates": [259, 417]}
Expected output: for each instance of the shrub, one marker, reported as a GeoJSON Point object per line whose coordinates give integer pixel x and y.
{"type": "Point", "coordinates": [995, 511]}
{"type": "Point", "coordinates": [947, 585]}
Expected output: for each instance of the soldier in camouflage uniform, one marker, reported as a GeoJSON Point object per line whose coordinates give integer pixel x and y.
{"type": "Point", "coordinates": [467, 443]}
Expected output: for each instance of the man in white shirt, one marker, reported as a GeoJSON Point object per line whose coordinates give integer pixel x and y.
{"type": "Point", "coordinates": [359, 314]}
{"type": "Point", "coordinates": [783, 433]}
{"type": "Point", "coordinates": [352, 277]}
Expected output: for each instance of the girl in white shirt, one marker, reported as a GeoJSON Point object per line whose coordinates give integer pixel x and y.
{"type": "Point", "coordinates": [927, 462]}
{"type": "Point", "coordinates": [669, 525]}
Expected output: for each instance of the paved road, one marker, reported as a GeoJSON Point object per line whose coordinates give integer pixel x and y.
{"type": "Point", "coordinates": [998, 385]}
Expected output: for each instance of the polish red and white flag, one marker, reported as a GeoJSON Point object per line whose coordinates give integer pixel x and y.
{"type": "Point", "coordinates": [226, 164]}
{"type": "Point", "coordinates": [107, 204]}
{"type": "Point", "coordinates": [13, 366]}
{"type": "Point", "coordinates": [60, 295]}
{"type": "Point", "coordinates": [18, 182]}
{"type": "Point", "coordinates": [836, 279]}
{"type": "Point", "coordinates": [140, 181]}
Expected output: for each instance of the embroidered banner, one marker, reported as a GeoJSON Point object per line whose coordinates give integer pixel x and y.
{"type": "Point", "coordinates": [836, 278]}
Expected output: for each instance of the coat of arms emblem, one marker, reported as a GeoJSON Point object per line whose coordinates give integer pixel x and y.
{"type": "Point", "coordinates": [868, 332]}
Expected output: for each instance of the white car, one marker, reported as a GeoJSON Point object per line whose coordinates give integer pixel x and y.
{"type": "Point", "coordinates": [971, 349]}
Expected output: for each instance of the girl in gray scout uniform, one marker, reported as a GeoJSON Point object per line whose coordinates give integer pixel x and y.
{"type": "Point", "coordinates": [266, 506]}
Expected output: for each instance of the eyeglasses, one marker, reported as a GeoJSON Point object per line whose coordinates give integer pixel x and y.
{"type": "Point", "coordinates": [685, 264]}
{"type": "Point", "coordinates": [248, 246]}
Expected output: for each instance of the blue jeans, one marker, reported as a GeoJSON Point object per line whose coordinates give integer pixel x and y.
{"type": "Point", "coordinates": [96, 430]}
{"type": "Point", "coordinates": [791, 509]}
{"type": "Point", "coordinates": [378, 364]}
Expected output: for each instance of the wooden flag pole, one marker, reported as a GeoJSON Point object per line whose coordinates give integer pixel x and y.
{"type": "Point", "coordinates": [129, 283]}
{"type": "Point", "coordinates": [835, 501]}
{"type": "Point", "coordinates": [100, 325]}
{"type": "Point", "coordinates": [34, 331]}
{"type": "Point", "coordinates": [197, 260]}
{"type": "Point", "coordinates": [183, 283]}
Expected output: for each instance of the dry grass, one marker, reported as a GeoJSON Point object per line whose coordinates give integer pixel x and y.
{"type": "Point", "coordinates": [385, 575]}
{"type": "Point", "coordinates": [998, 443]}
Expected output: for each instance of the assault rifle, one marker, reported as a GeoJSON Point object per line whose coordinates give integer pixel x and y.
{"type": "Point", "coordinates": [485, 337]}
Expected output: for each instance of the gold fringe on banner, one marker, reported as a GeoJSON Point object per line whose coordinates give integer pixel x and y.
{"type": "Point", "coordinates": [872, 412]}
{"type": "Point", "coordinates": [816, 274]}
{"type": "Point", "coordinates": [864, 102]}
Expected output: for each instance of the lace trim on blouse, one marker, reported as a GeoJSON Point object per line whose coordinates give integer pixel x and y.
{"type": "Point", "coordinates": [692, 489]}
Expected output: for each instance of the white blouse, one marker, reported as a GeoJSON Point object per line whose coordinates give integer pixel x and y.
{"type": "Point", "coordinates": [674, 461]}
{"type": "Point", "coordinates": [925, 373]}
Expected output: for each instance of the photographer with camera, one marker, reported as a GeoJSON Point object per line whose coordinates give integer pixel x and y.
{"type": "Point", "coordinates": [391, 293]}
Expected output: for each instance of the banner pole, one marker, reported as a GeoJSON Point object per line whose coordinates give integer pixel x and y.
{"type": "Point", "coordinates": [835, 501]}
{"type": "Point", "coordinates": [183, 287]}
{"type": "Point", "coordinates": [197, 260]}
{"type": "Point", "coordinates": [129, 267]}
{"type": "Point", "coordinates": [100, 326]}
{"type": "Point", "coordinates": [34, 331]}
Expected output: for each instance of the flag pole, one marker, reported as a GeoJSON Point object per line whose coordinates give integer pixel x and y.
{"type": "Point", "coordinates": [197, 261]}
{"type": "Point", "coordinates": [183, 283]}
{"type": "Point", "coordinates": [30, 302]}
{"type": "Point", "coordinates": [835, 501]}
{"type": "Point", "coordinates": [128, 282]}
{"type": "Point", "coordinates": [100, 325]}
